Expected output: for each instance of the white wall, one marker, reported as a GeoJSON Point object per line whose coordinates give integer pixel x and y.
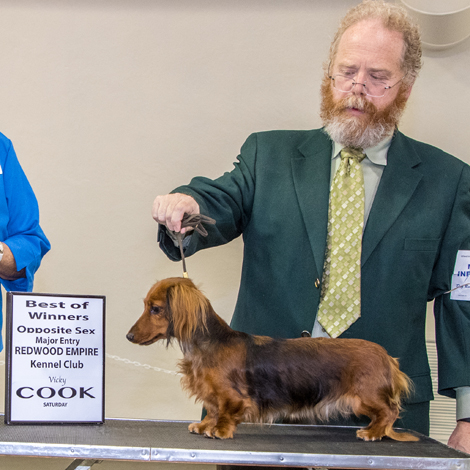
{"type": "Point", "coordinates": [111, 102]}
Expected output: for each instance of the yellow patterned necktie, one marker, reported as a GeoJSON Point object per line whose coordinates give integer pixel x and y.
{"type": "Point", "coordinates": [340, 304]}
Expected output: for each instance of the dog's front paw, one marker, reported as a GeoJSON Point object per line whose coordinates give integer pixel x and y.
{"type": "Point", "coordinates": [223, 433]}
{"type": "Point", "coordinates": [212, 432]}
{"type": "Point", "coordinates": [196, 428]}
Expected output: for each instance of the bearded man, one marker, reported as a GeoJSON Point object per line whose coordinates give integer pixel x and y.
{"type": "Point", "coordinates": [413, 218]}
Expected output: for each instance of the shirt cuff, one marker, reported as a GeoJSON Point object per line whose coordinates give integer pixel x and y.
{"type": "Point", "coordinates": [186, 237]}
{"type": "Point", "coordinates": [463, 402]}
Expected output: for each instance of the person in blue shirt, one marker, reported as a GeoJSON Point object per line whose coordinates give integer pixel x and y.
{"type": "Point", "coordinates": [22, 241]}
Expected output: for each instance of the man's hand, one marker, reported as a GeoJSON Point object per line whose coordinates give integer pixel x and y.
{"type": "Point", "coordinates": [460, 438]}
{"type": "Point", "coordinates": [8, 266]}
{"type": "Point", "coordinates": [170, 209]}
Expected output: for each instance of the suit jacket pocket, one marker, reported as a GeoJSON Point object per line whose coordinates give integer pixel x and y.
{"type": "Point", "coordinates": [422, 244]}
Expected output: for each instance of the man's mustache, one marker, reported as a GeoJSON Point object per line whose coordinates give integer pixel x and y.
{"type": "Point", "coordinates": [356, 102]}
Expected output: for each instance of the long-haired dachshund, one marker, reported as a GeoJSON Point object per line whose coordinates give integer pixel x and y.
{"type": "Point", "coordinates": [240, 377]}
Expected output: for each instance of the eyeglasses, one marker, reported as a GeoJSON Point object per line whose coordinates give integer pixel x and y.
{"type": "Point", "coordinates": [373, 87]}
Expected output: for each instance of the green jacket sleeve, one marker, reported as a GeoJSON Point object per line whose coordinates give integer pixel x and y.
{"type": "Point", "coordinates": [227, 199]}
{"type": "Point", "coordinates": [453, 316]}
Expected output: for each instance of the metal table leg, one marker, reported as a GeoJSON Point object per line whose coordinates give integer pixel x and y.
{"type": "Point", "coordinates": [80, 464]}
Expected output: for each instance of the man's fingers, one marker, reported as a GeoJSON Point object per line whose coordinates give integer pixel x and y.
{"type": "Point", "coordinates": [170, 209]}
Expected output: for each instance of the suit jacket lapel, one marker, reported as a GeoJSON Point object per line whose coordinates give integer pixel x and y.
{"type": "Point", "coordinates": [311, 170]}
{"type": "Point", "coordinates": [397, 185]}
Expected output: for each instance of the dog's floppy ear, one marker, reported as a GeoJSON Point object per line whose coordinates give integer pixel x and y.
{"type": "Point", "coordinates": [187, 310]}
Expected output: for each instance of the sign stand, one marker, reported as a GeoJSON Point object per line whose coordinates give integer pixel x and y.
{"type": "Point", "coordinates": [55, 359]}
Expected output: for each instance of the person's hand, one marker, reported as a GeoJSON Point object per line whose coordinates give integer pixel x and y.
{"type": "Point", "coordinates": [170, 209]}
{"type": "Point", "coordinates": [460, 438]}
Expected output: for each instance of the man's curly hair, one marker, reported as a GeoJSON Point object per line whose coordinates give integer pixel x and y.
{"type": "Point", "coordinates": [394, 18]}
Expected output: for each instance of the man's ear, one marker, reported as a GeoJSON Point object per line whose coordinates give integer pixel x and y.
{"type": "Point", "coordinates": [408, 91]}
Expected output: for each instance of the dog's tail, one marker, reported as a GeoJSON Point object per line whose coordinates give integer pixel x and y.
{"type": "Point", "coordinates": [402, 387]}
{"type": "Point", "coordinates": [401, 436]}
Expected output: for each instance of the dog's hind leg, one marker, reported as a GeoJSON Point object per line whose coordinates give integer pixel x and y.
{"type": "Point", "coordinates": [380, 425]}
{"type": "Point", "coordinates": [382, 417]}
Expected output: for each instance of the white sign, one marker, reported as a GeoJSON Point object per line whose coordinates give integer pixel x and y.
{"type": "Point", "coordinates": [461, 276]}
{"type": "Point", "coordinates": [55, 358]}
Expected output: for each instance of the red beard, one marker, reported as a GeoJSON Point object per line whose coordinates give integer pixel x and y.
{"type": "Point", "coordinates": [363, 131]}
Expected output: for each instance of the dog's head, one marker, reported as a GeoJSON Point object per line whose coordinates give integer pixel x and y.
{"type": "Point", "coordinates": [174, 308]}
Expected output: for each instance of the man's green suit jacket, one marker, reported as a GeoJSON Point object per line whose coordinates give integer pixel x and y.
{"type": "Point", "coordinates": [277, 198]}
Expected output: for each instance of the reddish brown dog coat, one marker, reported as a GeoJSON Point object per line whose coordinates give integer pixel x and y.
{"type": "Point", "coordinates": [240, 377]}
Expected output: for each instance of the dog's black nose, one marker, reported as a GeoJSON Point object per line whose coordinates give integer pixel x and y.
{"type": "Point", "coordinates": [130, 337]}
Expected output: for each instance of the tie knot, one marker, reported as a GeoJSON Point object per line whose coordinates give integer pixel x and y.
{"type": "Point", "coordinates": [351, 152]}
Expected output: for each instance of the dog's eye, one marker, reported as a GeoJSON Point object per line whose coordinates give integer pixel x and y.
{"type": "Point", "coordinates": [155, 310]}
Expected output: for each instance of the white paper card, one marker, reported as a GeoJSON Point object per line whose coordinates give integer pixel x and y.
{"type": "Point", "coordinates": [55, 358]}
{"type": "Point", "coordinates": [461, 277]}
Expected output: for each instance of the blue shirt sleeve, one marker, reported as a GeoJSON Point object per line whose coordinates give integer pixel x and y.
{"type": "Point", "coordinates": [19, 219]}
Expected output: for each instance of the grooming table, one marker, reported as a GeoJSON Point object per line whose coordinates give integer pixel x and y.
{"type": "Point", "coordinates": [272, 445]}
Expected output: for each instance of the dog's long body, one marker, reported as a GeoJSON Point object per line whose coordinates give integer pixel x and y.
{"type": "Point", "coordinates": [241, 377]}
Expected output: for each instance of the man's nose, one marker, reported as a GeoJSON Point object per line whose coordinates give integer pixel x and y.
{"type": "Point", "coordinates": [359, 83]}
{"type": "Point", "coordinates": [359, 88]}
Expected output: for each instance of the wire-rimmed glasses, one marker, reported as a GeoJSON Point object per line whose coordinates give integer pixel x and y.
{"type": "Point", "coordinates": [372, 87]}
